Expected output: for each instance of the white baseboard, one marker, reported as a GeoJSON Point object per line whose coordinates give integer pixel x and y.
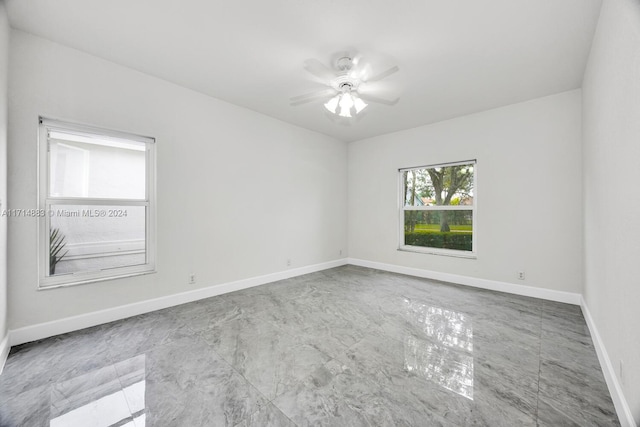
{"type": "Point", "coordinates": [69, 324]}
{"type": "Point", "coordinates": [529, 291]}
{"type": "Point", "coordinates": [615, 389]}
{"type": "Point", "coordinates": [4, 351]}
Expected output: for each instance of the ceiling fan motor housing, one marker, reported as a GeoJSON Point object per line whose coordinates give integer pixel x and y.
{"type": "Point", "coordinates": [345, 63]}
{"type": "Point", "coordinates": [346, 84]}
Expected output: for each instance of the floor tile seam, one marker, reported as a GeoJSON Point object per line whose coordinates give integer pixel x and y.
{"type": "Point", "coordinates": [131, 412]}
{"type": "Point", "coordinates": [49, 385]}
{"type": "Point", "coordinates": [568, 400]}
{"type": "Point", "coordinates": [557, 320]}
{"type": "Point", "coordinates": [570, 353]}
{"type": "Point", "coordinates": [145, 350]}
{"type": "Point", "coordinates": [225, 361]}
{"type": "Point", "coordinates": [566, 364]}
{"type": "Point", "coordinates": [177, 323]}
{"type": "Point", "coordinates": [519, 370]}
{"type": "Point", "coordinates": [566, 343]}
{"type": "Point", "coordinates": [367, 332]}
{"type": "Point", "coordinates": [269, 402]}
{"type": "Point", "coordinates": [281, 411]}
{"type": "Point", "coordinates": [555, 330]}
{"type": "Point", "coordinates": [296, 382]}
{"type": "Point", "coordinates": [558, 327]}
{"type": "Point", "coordinates": [585, 411]}
{"type": "Point", "coordinates": [562, 315]}
{"type": "Point", "coordinates": [600, 396]}
{"type": "Point", "coordinates": [529, 341]}
{"type": "Point", "coordinates": [15, 396]}
{"type": "Point", "coordinates": [302, 341]}
{"type": "Point", "coordinates": [548, 305]}
{"type": "Point", "coordinates": [239, 373]}
{"type": "Point", "coordinates": [517, 390]}
{"type": "Point", "coordinates": [513, 407]}
{"type": "Point", "coordinates": [194, 330]}
{"type": "Point", "coordinates": [354, 365]}
{"type": "Point", "coordinates": [109, 357]}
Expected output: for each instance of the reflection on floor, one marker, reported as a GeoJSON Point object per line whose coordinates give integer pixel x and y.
{"type": "Point", "coordinates": [113, 395]}
{"type": "Point", "coordinates": [346, 346]}
{"type": "Point", "coordinates": [452, 367]}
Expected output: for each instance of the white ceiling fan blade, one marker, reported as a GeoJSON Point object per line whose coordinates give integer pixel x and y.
{"type": "Point", "coordinates": [319, 70]}
{"type": "Point", "coordinates": [378, 100]}
{"type": "Point", "coordinates": [306, 101]}
{"type": "Point", "coordinates": [310, 97]}
{"type": "Point", "coordinates": [356, 58]}
{"type": "Point", "coordinates": [315, 94]}
{"type": "Point", "coordinates": [361, 71]}
{"type": "Point", "coordinates": [356, 63]}
{"type": "Point", "coordinates": [383, 74]}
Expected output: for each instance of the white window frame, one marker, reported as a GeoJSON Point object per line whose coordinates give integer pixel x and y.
{"type": "Point", "coordinates": [402, 208]}
{"type": "Point", "coordinates": [45, 201]}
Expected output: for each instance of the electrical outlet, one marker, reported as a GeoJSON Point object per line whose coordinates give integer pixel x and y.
{"type": "Point", "coordinates": [288, 263]}
{"type": "Point", "coordinates": [520, 275]}
{"type": "Point", "coordinates": [340, 253]}
{"type": "Point", "coordinates": [192, 278]}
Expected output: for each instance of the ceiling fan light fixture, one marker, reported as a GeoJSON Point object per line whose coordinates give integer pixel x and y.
{"type": "Point", "coordinates": [332, 104]}
{"type": "Point", "coordinates": [346, 103]}
{"type": "Point", "coordinates": [359, 104]}
{"type": "Point", "coordinates": [344, 113]}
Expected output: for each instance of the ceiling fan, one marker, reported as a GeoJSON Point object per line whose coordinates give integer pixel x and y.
{"type": "Point", "coordinates": [350, 84]}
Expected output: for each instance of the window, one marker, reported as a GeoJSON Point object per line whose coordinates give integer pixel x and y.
{"type": "Point", "coordinates": [438, 206]}
{"type": "Point", "coordinates": [96, 204]}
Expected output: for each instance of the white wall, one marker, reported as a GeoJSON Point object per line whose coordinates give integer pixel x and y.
{"type": "Point", "coordinates": [238, 192]}
{"type": "Point", "coordinates": [4, 59]}
{"type": "Point", "coordinates": [611, 116]}
{"type": "Point", "coordinates": [528, 195]}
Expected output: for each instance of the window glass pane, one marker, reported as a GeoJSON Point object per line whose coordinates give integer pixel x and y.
{"type": "Point", "coordinates": [446, 229]}
{"type": "Point", "coordinates": [97, 167]}
{"type": "Point", "coordinates": [92, 238]}
{"type": "Point", "coordinates": [442, 185]}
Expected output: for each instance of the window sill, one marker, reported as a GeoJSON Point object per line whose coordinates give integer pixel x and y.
{"type": "Point", "coordinates": [442, 252]}
{"type": "Point", "coordinates": [83, 279]}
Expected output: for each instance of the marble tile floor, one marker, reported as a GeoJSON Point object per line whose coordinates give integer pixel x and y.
{"type": "Point", "coordinates": [348, 346]}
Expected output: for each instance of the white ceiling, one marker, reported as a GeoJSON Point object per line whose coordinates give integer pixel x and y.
{"type": "Point", "coordinates": [455, 56]}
